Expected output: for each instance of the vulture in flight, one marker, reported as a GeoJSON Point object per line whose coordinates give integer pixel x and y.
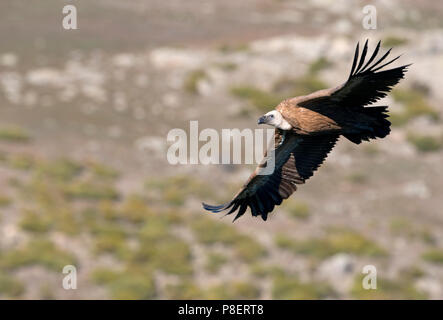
{"type": "Point", "coordinates": [307, 128]}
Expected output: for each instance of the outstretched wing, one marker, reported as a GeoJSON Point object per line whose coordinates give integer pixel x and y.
{"type": "Point", "coordinates": [296, 159]}
{"type": "Point", "coordinates": [365, 85]}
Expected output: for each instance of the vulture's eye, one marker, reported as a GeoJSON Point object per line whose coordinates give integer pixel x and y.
{"type": "Point", "coordinates": [272, 116]}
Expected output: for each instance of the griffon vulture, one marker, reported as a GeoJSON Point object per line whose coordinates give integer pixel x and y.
{"type": "Point", "coordinates": [307, 128]}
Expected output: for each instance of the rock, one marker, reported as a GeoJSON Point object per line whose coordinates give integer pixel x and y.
{"type": "Point", "coordinates": [430, 286]}
{"type": "Point", "coordinates": [124, 60]}
{"type": "Point", "coordinates": [339, 271]}
{"type": "Point", "coordinates": [417, 189]}
{"type": "Point", "coordinates": [8, 60]}
{"type": "Point", "coordinates": [175, 58]}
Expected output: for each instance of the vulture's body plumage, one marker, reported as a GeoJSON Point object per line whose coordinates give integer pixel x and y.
{"type": "Point", "coordinates": [307, 128]}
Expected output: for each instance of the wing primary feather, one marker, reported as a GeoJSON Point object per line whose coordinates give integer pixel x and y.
{"type": "Point", "coordinates": [219, 208]}
{"type": "Point", "coordinates": [241, 211]}
{"type": "Point", "coordinates": [380, 60]}
{"type": "Point", "coordinates": [363, 56]}
{"type": "Point", "coordinates": [372, 57]}
{"type": "Point", "coordinates": [384, 65]}
{"type": "Point", "coordinates": [354, 63]}
{"type": "Point", "coordinates": [234, 208]}
{"type": "Point", "coordinates": [253, 206]}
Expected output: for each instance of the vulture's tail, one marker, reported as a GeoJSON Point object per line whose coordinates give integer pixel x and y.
{"type": "Point", "coordinates": [376, 126]}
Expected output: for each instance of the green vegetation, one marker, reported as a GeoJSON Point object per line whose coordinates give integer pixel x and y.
{"type": "Point", "coordinates": [402, 227]}
{"type": "Point", "coordinates": [233, 291]}
{"type": "Point", "coordinates": [209, 232]}
{"type": "Point", "coordinates": [104, 275]}
{"type": "Point", "coordinates": [176, 189]}
{"type": "Point", "coordinates": [215, 261]}
{"type": "Point", "coordinates": [334, 242]}
{"type": "Point", "coordinates": [434, 256]}
{"type": "Point", "coordinates": [394, 41]}
{"type": "Point", "coordinates": [357, 177]}
{"type": "Point", "coordinates": [265, 100]}
{"type": "Point", "coordinates": [192, 80]}
{"type": "Point", "coordinates": [132, 287]}
{"type": "Point", "coordinates": [102, 171]}
{"type": "Point", "coordinates": [425, 143]}
{"type": "Point", "coordinates": [289, 287]}
{"type": "Point", "coordinates": [319, 65]}
{"type": "Point", "coordinates": [128, 284]}
{"type": "Point", "coordinates": [20, 161]}
{"type": "Point", "coordinates": [60, 170]}
{"type": "Point", "coordinates": [371, 149]}
{"type": "Point", "coordinates": [14, 134]}
{"type": "Point", "coordinates": [37, 252]}
{"type": "Point", "coordinates": [229, 48]}
{"type": "Point", "coordinates": [308, 84]}
{"type": "Point", "coordinates": [248, 249]}
{"type": "Point", "coordinates": [185, 290]}
{"type": "Point", "coordinates": [33, 222]}
{"type": "Point", "coordinates": [263, 271]}
{"type": "Point", "coordinates": [86, 190]}
{"type": "Point", "coordinates": [298, 209]}
{"type": "Point", "coordinates": [261, 99]}
{"type": "Point", "coordinates": [111, 243]}
{"type": "Point", "coordinates": [168, 253]}
{"type": "Point", "coordinates": [415, 105]}
{"type": "Point", "coordinates": [5, 201]}
{"type": "Point", "coordinates": [227, 66]}
{"type": "Point", "coordinates": [387, 289]}
{"type": "Point", "coordinates": [10, 287]}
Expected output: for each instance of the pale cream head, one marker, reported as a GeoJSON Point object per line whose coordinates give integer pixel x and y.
{"type": "Point", "coordinates": [275, 119]}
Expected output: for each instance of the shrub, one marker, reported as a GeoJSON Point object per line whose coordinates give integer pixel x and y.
{"type": "Point", "coordinates": [394, 41]}
{"type": "Point", "coordinates": [298, 209]}
{"type": "Point", "coordinates": [111, 243]}
{"type": "Point", "coordinates": [14, 134]}
{"type": "Point", "coordinates": [387, 289]}
{"type": "Point", "coordinates": [185, 290]}
{"type": "Point", "coordinates": [262, 100]}
{"type": "Point", "coordinates": [415, 104]}
{"type": "Point", "coordinates": [171, 255]}
{"type": "Point", "coordinates": [210, 232]}
{"type": "Point", "coordinates": [90, 191]}
{"type": "Point", "coordinates": [319, 65]}
{"type": "Point", "coordinates": [192, 80]}
{"type": "Point", "coordinates": [333, 243]}
{"type": "Point", "coordinates": [434, 256]}
{"type": "Point", "coordinates": [214, 262]}
{"type": "Point", "coordinates": [425, 143]}
{"type": "Point", "coordinates": [129, 286]}
{"type": "Point", "coordinates": [134, 209]}
{"type": "Point", "coordinates": [308, 84]}
{"type": "Point", "coordinates": [233, 291]}
{"type": "Point", "coordinates": [103, 171]}
{"type": "Point", "coordinates": [357, 177]}
{"type": "Point", "coordinates": [288, 287]}
{"type": "Point", "coordinates": [249, 250]}
{"type": "Point", "coordinates": [39, 252]}
{"type": "Point", "coordinates": [60, 169]}
{"type": "Point", "coordinates": [10, 287]}
{"type": "Point", "coordinates": [4, 201]}
{"type": "Point", "coordinates": [21, 161]}
{"type": "Point", "coordinates": [34, 222]}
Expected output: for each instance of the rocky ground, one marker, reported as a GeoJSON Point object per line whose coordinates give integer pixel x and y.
{"type": "Point", "coordinates": [85, 181]}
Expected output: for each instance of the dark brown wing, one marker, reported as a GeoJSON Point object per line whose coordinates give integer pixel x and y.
{"type": "Point", "coordinates": [296, 159]}
{"type": "Point", "coordinates": [364, 86]}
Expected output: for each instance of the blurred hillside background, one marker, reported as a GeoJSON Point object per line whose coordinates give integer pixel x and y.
{"type": "Point", "coordinates": [84, 178]}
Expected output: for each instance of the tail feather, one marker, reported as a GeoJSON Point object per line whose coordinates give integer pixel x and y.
{"type": "Point", "coordinates": [377, 127]}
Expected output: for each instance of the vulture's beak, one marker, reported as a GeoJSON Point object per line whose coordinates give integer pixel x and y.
{"type": "Point", "coordinates": [262, 120]}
